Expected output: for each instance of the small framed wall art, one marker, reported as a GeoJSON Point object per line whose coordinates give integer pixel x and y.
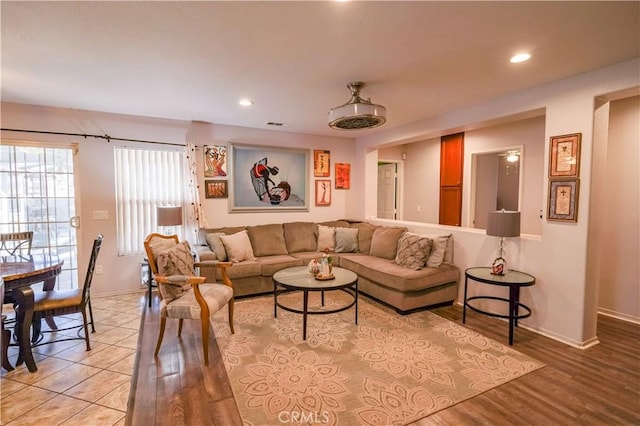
{"type": "Point", "coordinates": [215, 161]}
{"type": "Point", "coordinates": [343, 175]}
{"type": "Point", "coordinates": [563, 200]}
{"type": "Point", "coordinates": [321, 163]}
{"type": "Point", "coordinates": [323, 192]}
{"type": "Point", "coordinates": [564, 156]}
{"type": "Point", "coordinates": [216, 189]}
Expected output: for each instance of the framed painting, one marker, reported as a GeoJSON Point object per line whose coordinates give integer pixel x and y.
{"type": "Point", "coordinates": [216, 188]}
{"type": "Point", "coordinates": [563, 200]}
{"type": "Point", "coordinates": [215, 161]}
{"type": "Point", "coordinates": [265, 178]}
{"type": "Point", "coordinates": [343, 175]}
{"type": "Point", "coordinates": [321, 163]}
{"type": "Point", "coordinates": [564, 156]}
{"type": "Point", "coordinates": [323, 192]}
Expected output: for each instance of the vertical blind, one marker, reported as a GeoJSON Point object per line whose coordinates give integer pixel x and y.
{"type": "Point", "coordinates": [144, 179]}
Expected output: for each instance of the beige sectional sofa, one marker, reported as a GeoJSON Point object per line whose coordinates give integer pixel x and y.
{"type": "Point", "coordinates": [403, 270]}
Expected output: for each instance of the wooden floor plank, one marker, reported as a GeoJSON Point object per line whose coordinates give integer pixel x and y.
{"type": "Point", "coordinates": [599, 385]}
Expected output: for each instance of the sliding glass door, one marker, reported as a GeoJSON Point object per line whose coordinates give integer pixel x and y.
{"type": "Point", "coordinates": [37, 193]}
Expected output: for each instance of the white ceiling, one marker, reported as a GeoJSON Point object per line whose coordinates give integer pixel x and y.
{"type": "Point", "coordinates": [195, 60]}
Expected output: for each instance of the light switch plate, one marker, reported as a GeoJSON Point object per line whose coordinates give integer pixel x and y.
{"type": "Point", "coordinates": [100, 215]}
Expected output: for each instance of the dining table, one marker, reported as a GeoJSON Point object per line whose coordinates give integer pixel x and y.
{"type": "Point", "coordinates": [19, 273]}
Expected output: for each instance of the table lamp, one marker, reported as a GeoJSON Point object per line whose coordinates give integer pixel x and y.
{"type": "Point", "coordinates": [169, 217]}
{"type": "Point", "coordinates": [503, 224]}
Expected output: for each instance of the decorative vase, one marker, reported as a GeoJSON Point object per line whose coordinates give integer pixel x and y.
{"type": "Point", "coordinates": [314, 267]}
{"type": "Point", "coordinates": [499, 266]}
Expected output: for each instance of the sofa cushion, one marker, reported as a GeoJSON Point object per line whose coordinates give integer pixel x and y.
{"type": "Point", "coordinates": [438, 250]}
{"type": "Point", "coordinates": [365, 233]}
{"type": "Point", "coordinates": [215, 244]}
{"type": "Point", "coordinates": [326, 238]}
{"type": "Point", "coordinates": [346, 240]}
{"type": "Point", "coordinates": [384, 242]}
{"type": "Point", "coordinates": [300, 236]}
{"type": "Point", "coordinates": [267, 240]}
{"type": "Point", "coordinates": [413, 251]}
{"type": "Point", "coordinates": [272, 264]}
{"type": "Point", "coordinates": [244, 269]}
{"type": "Point", "coordinates": [388, 274]}
{"type": "Point", "coordinates": [238, 246]}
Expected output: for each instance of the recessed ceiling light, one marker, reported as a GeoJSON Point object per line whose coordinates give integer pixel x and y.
{"type": "Point", "coordinates": [245, 102]}
{"type": "Point", "coordinates": [520, 57]}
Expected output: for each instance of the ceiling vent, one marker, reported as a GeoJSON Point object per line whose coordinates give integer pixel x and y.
{"type": "Point", "coordinates": [357, 113]}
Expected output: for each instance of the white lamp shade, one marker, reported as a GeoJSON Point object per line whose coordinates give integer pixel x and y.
{"type": "Point", "coordinates": [503, 223]}
{"type": "Point", "coordinates": [169, 216]}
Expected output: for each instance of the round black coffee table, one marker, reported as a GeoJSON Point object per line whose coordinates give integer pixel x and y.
{"type": "Point", "coordinates": [298, 278]}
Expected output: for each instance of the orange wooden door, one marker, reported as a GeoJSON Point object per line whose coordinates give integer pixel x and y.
{"type": "Point", "coordinates": [451, 164]}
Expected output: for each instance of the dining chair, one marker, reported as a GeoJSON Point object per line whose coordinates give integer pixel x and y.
{"type": "Point", "coordinates": [65, 302]}
{"type": "Point", "coordinates": [16, 243]}
{"type": "Point", "coordinates": [184, 295]}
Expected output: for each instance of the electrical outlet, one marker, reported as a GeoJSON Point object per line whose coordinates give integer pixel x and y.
{"type": "Point", "coordinates": [418, 209]}
{"type": "Point", "coordinates": [98, 270]}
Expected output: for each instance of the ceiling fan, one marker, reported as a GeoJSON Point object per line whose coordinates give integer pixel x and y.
{"type": "Point", "coordinates": [512, 155]}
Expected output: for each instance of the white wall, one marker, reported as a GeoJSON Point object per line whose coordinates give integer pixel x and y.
{"type": "Point", "coordinates": [96, 184]}
{"type": "Point", "coordinates": [619, 249]}
{"type": "Point", "coordinates": [558, 257]}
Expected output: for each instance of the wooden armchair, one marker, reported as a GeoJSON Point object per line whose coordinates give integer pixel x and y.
{"type": "Point", "coordinates": [185, 295]}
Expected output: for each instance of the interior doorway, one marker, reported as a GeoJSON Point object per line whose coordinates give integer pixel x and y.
{"type": "Point", "coordinates": [388, 190]}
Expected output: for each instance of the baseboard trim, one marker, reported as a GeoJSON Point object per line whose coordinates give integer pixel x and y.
{"type": "Point", "coordinates": [618, 315]}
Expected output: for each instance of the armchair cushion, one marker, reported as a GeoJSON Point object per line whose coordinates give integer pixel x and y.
{"type": "Point", "coordinates": [187, 307]}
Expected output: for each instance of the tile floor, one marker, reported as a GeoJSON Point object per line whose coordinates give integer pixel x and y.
{"type": "Point", "coordinates": [73, 386]}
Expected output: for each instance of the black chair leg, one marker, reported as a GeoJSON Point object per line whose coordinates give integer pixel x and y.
{"type": "Point", "coordinates": [4, 349]}
{"type": "Point", "coordinates": [93, 328]}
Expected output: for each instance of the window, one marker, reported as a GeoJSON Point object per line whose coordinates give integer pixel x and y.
{"type": "Point", "coordinates": [37, 193]}
{"type": "Point", "coordinates": [145, 179]}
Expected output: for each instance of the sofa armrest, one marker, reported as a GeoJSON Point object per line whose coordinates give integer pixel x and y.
{"type": "Point", "coordinates": [204, 253]}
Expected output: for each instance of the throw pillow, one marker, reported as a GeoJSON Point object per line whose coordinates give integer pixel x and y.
{"type": "Point", "coordinates": [238, 246]}
{"type": "Point", "coordinates": [346, 240]}
{"type": "Point", "coordinates": [436, 258]}
{"type": "Point", "coordinates": [384, 242]}
{"type": "Point", "coordinates": [215, 244]}
{"type": "Point", "coordinates": [413, 251]}
{"type": "Point", "coordinates": [267, 240]}
{"type": "Point", "coordinates": [175, 261]}
{"type": "Point", "coordinates": [326, 238]}
{"type": "Point", "coordinates": [175, 289]}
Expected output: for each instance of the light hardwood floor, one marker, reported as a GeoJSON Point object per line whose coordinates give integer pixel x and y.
{"type": "Point", "coordinates": [596, 386]}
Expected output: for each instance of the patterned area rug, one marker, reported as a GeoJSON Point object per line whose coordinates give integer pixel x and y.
{"type": "Point", "coordinates": [387, 370]}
